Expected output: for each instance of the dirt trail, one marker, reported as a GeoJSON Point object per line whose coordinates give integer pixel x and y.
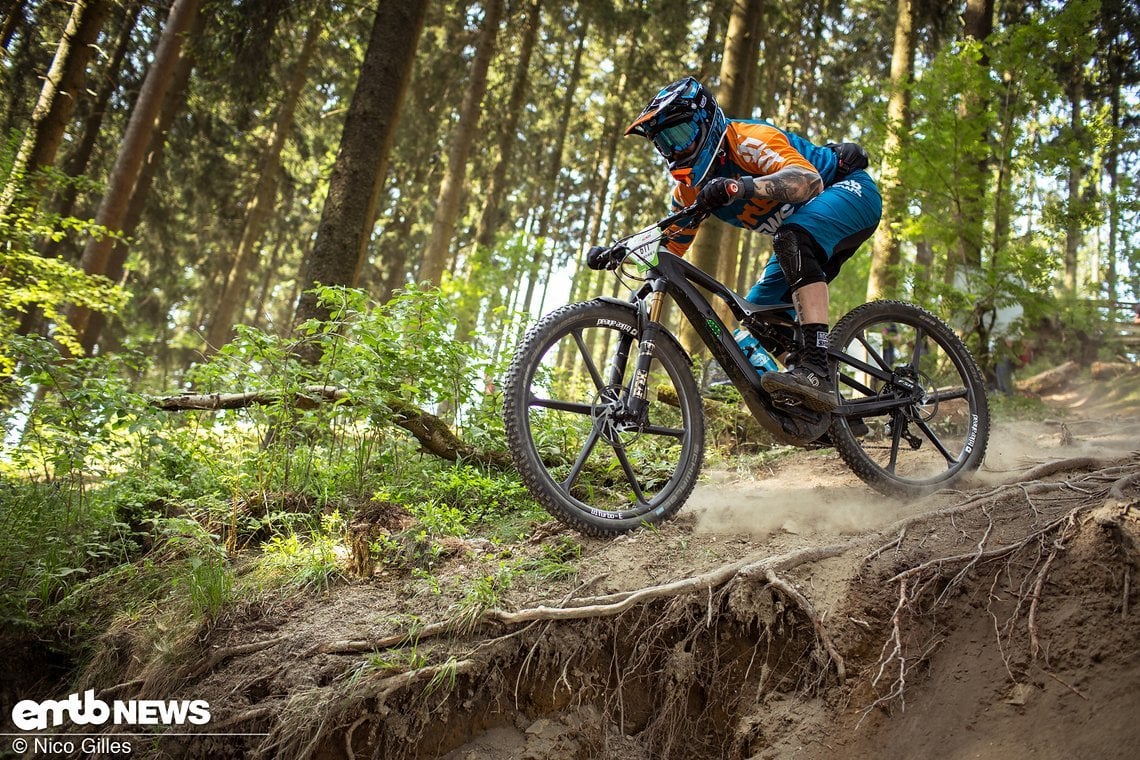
{"type": "Point", "coordinates": [807, 617]}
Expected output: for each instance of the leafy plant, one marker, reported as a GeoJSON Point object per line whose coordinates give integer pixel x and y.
{"type": "Point", "coordinates": [309, 563]}
{"type": "Point", "coordinates": [557, 560]}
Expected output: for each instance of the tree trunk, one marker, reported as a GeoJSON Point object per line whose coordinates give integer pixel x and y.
{"type": "Point", "coordinates": [1073, 204]}
{"type": "Point", "coordinates": [173, 101]}
{"type": "Point", "coordinates": [57, 98]}
{"type": "Point", "coordinates": [978, 21]}
{"type": "Point", "coordinates": [12, 18]}
{"type": "Point", "coordinates": [438, 250]}
{"type": "Point", "coordinates": [128, 162]}
{"type": "Point", "coordinates": [488, 225]}
{"type": "Point", "coordinates": [1114, 64]}
{"type": "Point", "coordinates": [261, 204]}
{"type": "Point", "coordinates": [1004, 171]}
{"type": "Point", "coordinates": [77, 160]}
{"type": "Point", "coordinates": [554, 173]}
{"type": "Point", "coordinates": [358, 173]}
{"type": "Point", "coordinates": [736, 98]}
{"type": "Point", "coordinates": [883, 278]}
{"type": "Point", "coordinates": [507, 138]}
{"type": "Point", "coordinates": [76, 163]}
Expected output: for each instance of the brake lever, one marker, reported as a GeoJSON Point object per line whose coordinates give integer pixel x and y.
{"type": "Point", "coordinates": [695, 213]}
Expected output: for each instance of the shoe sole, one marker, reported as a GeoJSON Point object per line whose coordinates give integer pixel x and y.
{"type": "Point", "coordinates": [817, 401]}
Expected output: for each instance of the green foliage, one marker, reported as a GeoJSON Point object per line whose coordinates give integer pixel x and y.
{"type": "Point", "coordinates": [199, 567]}
{"type": "Point", "coordinates": [483, 495]}
{"type": "Point", "coordinates": [557, 561]}
{"type": "Point", "coordinates": [1019, 407]}
{"type": "Point", "coordinates": [404, 347]}
{"type": "Point", "coordinates": [990, 111]}
{"type": "Point", "coordinates": [87, 413]}
{"type": "Point", "coordinates": [51, 546]}
{"type": "Point", "coordinates": [483, 593]}
{"type": "Point", "coordinates": [309, 563]}
{"type": "Point", "coordinates": [115, 499]}
{"type": "Point", "coordinates": [29, 282]}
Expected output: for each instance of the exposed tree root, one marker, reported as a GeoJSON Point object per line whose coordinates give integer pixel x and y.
{"type": "Point", "coordinates": [219, 656]}
{"type": "Point", "coordinates": [932, 581]}
{"type": "Point", "coordinates": [618, 603]}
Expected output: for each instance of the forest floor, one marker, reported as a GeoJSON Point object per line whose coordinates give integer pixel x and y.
{"type": "Point", "coordinates": [787, 612]}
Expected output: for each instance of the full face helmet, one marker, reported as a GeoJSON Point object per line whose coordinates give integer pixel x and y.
{"type": "Point", "coordinates": [686, 126]}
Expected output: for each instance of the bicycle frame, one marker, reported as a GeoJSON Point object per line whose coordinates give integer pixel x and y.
{"type": "Point", "coordinates": [674, 276]}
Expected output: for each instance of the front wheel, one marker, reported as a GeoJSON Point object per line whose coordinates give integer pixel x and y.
{"type": "Point", "coordinates": [581, 453]}
{"type": "Point", "coordinates": [914, 415]}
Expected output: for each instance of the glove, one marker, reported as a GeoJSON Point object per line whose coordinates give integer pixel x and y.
{"type": "Point", "coordinates": [850, 156]}
{"type": "Point", "coordinates": [605, 258]}
{"type": "Point", "coordinates": [721, 191]}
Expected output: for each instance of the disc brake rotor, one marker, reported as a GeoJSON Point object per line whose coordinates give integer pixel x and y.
{"type": "Point", "coordinates": [611, 418]}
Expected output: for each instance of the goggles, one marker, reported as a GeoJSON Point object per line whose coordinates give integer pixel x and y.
{"type": "Point", "coordinates": [675, 140]}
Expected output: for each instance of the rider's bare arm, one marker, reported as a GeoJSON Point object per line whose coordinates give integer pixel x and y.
{"type": "Point", "coordinates": [793, 184]}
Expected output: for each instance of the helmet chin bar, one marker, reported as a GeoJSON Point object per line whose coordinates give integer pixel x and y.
{"type": "Point", "coordinates": [684, 175]}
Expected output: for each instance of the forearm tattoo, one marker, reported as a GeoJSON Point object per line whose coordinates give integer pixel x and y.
{"type": "Point", "coordinates": [791, 185]}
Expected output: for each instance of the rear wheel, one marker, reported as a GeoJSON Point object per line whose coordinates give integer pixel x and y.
{"type": "Point", "coordinates": [582, 455]}
{"type": "Point", "coordinates": [920, 418]}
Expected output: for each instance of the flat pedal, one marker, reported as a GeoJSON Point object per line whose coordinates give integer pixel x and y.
{"type": "Point", "coordinates": [787, 400]}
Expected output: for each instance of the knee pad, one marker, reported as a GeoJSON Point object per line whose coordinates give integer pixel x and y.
{"type": "Point", "coordinates": [796, 253]}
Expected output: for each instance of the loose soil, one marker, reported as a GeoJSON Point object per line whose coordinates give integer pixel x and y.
{"type": "Point", "coordinates": [791, 613]}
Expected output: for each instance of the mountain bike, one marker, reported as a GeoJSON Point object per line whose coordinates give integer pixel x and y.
{"type": "Point", "coordinates": [604, 416]}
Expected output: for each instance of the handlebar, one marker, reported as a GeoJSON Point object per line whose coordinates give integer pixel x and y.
{"type": "Point", "coordinates": [611, 257]}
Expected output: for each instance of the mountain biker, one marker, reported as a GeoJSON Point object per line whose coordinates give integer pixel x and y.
{"type": "Point", "coordinates": [817, 203]}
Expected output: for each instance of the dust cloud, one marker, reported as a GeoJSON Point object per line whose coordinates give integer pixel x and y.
{"type": "Point", "coordinates": [829, 500]}
{"type": "Point", "coordinates": [819, 496]}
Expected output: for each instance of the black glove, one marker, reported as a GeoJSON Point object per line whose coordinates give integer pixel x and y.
{"type": "Point", "coordinates": [721, 191]}
{"type": "Point", "coordinates": [850, 156]}
{"type": "Point", "coordinates": [605, 258]}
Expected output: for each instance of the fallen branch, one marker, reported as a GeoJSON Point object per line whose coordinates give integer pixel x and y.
{"type": "Point", "coordinates": [433, 433]}
{"type": "Point", "coordinates": [309, 397]}
{"type": "Point", "coordinates": [1050, 380]}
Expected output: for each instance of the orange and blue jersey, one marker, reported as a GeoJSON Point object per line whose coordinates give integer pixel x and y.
{"type": "Point", "coordinates": [755, 148]}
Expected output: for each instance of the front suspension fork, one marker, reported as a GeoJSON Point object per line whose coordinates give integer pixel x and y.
{"type": "Point", "coordinates": [648, 330]}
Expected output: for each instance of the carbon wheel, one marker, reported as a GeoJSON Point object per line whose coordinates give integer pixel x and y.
{"type": "Point", "coordinates": [919, 416]}
{"type": "Point", "coordinates": [582, 454]}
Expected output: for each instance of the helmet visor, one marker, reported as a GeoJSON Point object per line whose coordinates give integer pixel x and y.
{"type": "Point", "coordinates": [673, 142]}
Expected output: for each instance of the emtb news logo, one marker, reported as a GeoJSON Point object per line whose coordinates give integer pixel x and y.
{"type": "Point", "coordinates": [30, 715]}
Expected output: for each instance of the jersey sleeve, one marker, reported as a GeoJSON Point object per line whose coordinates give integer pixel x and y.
{"type": "Point", "coordinates": [761, 149]}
